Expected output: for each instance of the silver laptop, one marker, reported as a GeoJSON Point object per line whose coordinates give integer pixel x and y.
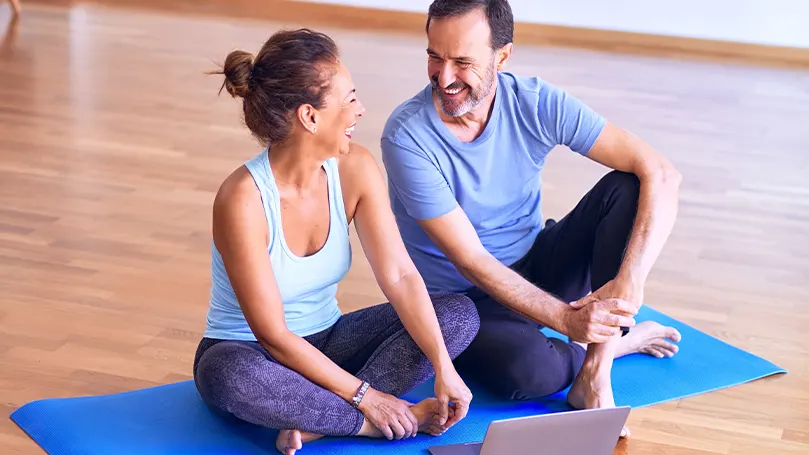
{"type": "Point", "coordinates": [589, 431]}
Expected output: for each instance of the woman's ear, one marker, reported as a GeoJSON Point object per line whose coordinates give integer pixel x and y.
{"type": "Point", "coordinates": [309, 117]}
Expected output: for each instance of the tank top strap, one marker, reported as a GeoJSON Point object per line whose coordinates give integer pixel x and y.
{"type": "Point", "coordinates": [259, 168]}
{"type": "Point", "coordinates": [337, 206]}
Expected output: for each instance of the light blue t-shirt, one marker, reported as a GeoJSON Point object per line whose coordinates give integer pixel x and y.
{"type": "Point", "coordinates": [308, 285]}
{"type": "Point", "coordinates": [495, 178]}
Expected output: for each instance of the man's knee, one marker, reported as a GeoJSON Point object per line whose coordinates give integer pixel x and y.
{"type": "Point", "coordinates": [625, 184]}
{"type": "Point", "coordinates": [458, 319]}
{"type": "Point", "coordinates": [533, 374]}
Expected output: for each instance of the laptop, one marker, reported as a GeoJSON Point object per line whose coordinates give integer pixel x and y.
{"type": "Point", "coordinates": [589, 431]}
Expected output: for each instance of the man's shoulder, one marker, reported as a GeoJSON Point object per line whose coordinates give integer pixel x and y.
{"type": "Point", "coordinates": [525, 88]}
{"type": "Point", "coordinates": [407, 119]}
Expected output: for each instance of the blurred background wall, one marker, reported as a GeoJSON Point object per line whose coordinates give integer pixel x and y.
{"type": "Point", "coordinates": [768, 22]}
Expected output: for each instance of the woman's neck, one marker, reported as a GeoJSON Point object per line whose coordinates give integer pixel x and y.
{"type": "Point", "coordinates": [294, 164]}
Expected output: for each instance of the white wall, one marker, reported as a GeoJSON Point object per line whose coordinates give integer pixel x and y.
{"type": "Point", "coordinates": [774, 22]}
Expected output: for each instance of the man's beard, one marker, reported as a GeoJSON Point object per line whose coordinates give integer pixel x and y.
{"type": "Point", "coordinates": [472, 97]}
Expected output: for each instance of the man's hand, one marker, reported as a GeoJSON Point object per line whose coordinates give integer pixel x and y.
{"type": "Point", "coordinates": [618, 288]}
{"type": "Point", "coordinates": [598, 321]}
{"type": "Point", "coordinates": [449, 387]}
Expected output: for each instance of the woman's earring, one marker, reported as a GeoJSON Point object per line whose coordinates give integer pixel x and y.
{"type": "Point", "coordinates": [314, 130]}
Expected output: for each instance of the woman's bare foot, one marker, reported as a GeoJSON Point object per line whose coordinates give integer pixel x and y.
{"type": "Point", "coordinates": [427, 414]}
{"type": "Point", "coordinates": [591, 391]}
{"type": "Point", "coordinates": [289, 441]}
{"type": "Point", "coordinates": [650, 338]}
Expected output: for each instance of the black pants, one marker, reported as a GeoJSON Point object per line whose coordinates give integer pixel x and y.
{"type": "Point", "coordinates": [569, 259]}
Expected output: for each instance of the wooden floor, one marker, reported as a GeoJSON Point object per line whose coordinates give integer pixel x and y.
{"type": "Point", "coordinates": [113, 142]}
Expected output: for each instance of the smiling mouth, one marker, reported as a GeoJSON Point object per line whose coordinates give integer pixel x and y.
{"type": "Point", "coordinates": [350, 130]}
{"type": "Point", "coordinates": [453, 92]}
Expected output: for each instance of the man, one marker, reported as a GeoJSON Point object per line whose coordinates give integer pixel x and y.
{"type": "Point", "coordinates": [464, 158]}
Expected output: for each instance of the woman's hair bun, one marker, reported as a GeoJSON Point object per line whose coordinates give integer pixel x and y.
{"type": "Point", "coordinates": [237, 69]}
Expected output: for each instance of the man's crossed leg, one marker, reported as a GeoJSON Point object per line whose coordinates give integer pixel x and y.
{"type": "Point", "coordinates": [580, 254]}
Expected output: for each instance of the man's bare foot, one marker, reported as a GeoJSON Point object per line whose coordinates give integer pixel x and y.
{"type": "Point", "coordinates": [593, 391]}
{"type": "Point", "coordinates": [650, 338]}
{"type": "Point", "coordinates": [289, 441]}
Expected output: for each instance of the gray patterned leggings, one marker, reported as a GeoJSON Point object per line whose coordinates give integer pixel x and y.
{"type": "Point", "coordinates": [240, 378]}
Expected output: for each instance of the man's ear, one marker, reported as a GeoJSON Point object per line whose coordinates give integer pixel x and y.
{"type": "Point", "coordinates": [503, 56]}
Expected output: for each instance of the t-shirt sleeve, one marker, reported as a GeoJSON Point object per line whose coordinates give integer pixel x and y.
{"type": "Point", "coordinates": [416, 181]}
{"type": "Point", "coordinates": [566, 120]}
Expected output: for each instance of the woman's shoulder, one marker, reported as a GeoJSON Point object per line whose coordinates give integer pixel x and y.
{"type": "Point", "coordinates": [356, 163]}
{"type": "Point", "coordinates": [238, 204]}
{"type": "Point", "coordinates": [238, 187]}
{"type": "Point", "coordinates": [359, 175]}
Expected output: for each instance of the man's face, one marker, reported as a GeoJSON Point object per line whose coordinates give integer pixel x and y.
{"type": "Point", "coordinates": [461, 63]}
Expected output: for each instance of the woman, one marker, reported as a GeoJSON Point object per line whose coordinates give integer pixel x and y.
{"type": "Point", "coordinates": [277, 351]}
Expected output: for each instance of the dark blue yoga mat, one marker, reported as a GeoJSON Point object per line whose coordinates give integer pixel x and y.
{"type": "Point", "coordinates": [172, 419]}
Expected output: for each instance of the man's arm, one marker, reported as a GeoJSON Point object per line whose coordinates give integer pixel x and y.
{"type": "Point", "coordinates": [657, 205]}
{"type": "Point", "coordinates": [566, 120]}
{"type": "Point", "coordinates": [425, 193]}
{"type": "Point", "coordinates": [423, 190]}
{"type": "Point", "coordinates": [454, 234]}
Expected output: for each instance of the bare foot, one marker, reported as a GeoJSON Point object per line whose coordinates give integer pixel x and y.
{"type": "Point", "coordinates": [591, 392]}
{"type": "Point", "coordinates": [427, 414]}
{"type": "Point", "coordinates": [289, 441]}
{"type": "Point", "coordinates": [650, 338]}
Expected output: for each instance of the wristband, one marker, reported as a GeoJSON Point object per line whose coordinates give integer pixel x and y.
{"type": "Point", "coordinates": [360, 394]}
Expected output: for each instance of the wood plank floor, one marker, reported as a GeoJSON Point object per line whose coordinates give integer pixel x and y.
{"type": "Point", "coordinates": [113, 142]}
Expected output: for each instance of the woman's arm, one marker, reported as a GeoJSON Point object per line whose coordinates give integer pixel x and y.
{"type": "Point", "coordinates": [394, 270]}
{"type": "Point", "coordinates": [241, 236]}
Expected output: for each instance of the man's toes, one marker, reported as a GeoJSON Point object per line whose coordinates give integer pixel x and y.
{"type": "Point", "coordinates": [666, 352]}
{"type": "Point", "coordinates": [666, 346]}
{"type": "Point", "coordinates": [654, 352]}
{"type": "Point", "coordinates": [673, 334]}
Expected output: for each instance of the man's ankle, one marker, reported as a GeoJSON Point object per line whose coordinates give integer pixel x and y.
{"type": "Point", "coordinates": [597, 362]}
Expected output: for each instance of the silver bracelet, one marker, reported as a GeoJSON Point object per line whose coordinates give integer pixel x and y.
{"type": "Point", "coordinates": [360, 394]}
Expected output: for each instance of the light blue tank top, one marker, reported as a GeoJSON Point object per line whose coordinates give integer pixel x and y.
{"type": "Point", "coordinates": [308, 285]}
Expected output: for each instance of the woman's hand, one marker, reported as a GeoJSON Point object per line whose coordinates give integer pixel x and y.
{"type": "Point", "coordinates": [449, 387]}
{"type": "Point", "coordinates": [389, 414]}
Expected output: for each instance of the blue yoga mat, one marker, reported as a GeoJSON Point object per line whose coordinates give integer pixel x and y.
{"type": "Point", "coordinates": [172, 419]}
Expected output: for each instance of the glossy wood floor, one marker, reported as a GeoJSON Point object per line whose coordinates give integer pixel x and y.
{"type": "Point", "coordinates": [113, 142]}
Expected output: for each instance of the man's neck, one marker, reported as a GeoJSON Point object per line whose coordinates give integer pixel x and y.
{"type": "Point", "coordinates": [469, 126]}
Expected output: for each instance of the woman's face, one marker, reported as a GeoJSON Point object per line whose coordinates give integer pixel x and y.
{"type": "Point", "coordinates": [339, 116]}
